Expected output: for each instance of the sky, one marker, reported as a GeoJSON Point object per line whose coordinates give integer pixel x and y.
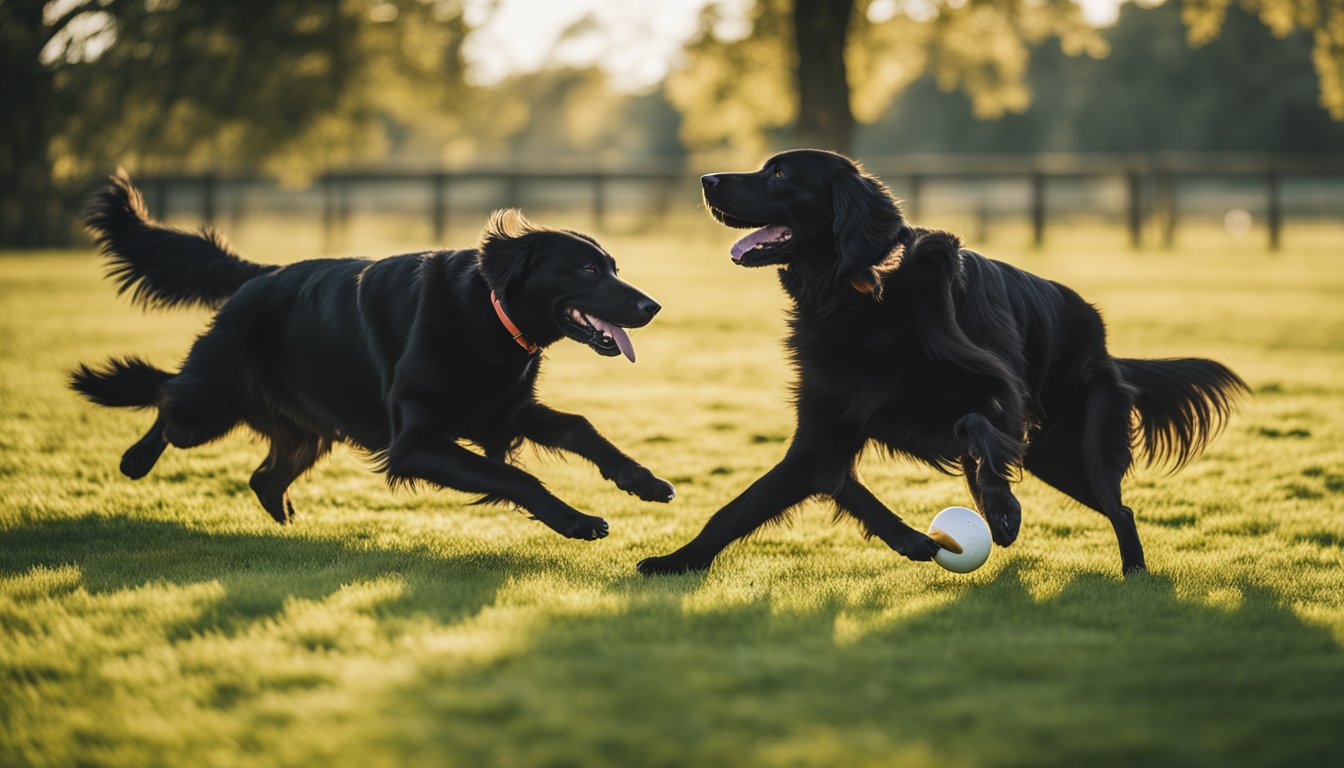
{"type": "Point", "coordinates": [636, 41]}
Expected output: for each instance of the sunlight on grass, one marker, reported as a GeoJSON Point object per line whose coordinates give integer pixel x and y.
{"type": "Point", "coordinates": [170, 621]}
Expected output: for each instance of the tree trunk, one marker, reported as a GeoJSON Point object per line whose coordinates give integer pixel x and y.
{"type": "Point", "coordinates": [824, 117]}
{"type": "Point", "coordinates": [31, 211]}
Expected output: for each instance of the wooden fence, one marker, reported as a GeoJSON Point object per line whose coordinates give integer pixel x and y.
{"type": "Point", "coordinates": [1152, 184]}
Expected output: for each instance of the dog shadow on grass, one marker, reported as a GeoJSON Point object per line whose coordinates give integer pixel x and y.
{"type": "Point", "coordinates": [1099, 672]}
{"type": "Point", "coordinates": [1102, 672]}
{"type": "Point", "coordinates": [260, 573]}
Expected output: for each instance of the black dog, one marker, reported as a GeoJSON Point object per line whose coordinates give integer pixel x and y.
{"type": "Point", "coordinates": [903, 338]}
{"type": "Point", "coordinates": [402, 357]}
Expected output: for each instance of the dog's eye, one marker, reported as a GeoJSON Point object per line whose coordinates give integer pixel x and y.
{"type": "Point", "coordinates": [590, 269]}
{"type": "Point", "coordinates": [779, 172]}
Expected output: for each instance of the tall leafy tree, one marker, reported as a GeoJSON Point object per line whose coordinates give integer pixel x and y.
{"type": "Point", "coordinates": [813, 69]}
{"type": "Point", "coordinates": [1246, 90]}
{"type": "Point", "coordinates": [1324, 19]}
{"type": "Point", "coordinates": [289, 85]}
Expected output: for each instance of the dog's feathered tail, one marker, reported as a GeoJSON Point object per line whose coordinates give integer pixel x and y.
{"type": "Point", "coordinates": [127, 383]}
{"type": "Point", "coordinates": [121, 383]}
{"type": "Point", "coordinates": [162, 266]}
{"type": "Point", "coordinates": [1182, 404]}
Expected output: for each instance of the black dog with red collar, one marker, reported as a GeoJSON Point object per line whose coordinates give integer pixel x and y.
{"type": "Point", "coordinates": [405, 357]}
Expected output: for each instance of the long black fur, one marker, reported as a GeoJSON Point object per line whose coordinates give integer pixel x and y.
{"type": "Point", "coordinates": [1182, 405]}
{"type": "Point", "coordinates": [126, 382]}
{"type": "Point", "coordinates": [903, 338]}
{"type": "Point", "coordinates": [162, 266]}
{"type": "Point", "coordinates": [404, 357]}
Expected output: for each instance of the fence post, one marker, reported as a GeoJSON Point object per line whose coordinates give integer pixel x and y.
{"type": "Point", "coordinates": [1275, 208]}
{"type": "Point", "coordinates": [235, 198]}
{"type": "Point", "coordinates": [1171, 208]}
{"type": "Point", "coordinates": [513, 191]}
{"type": "Point", "coordinates": [343, 212]}
{"type": "Point", "coordinates": [916, 190]}
{"type": "Point", "coordinates": [982, 219]}
{"type": "Point", "coordinates": [439, 213]}
{"type": "Point", "coordinates": [668, 188]}
{"type": "Point", "coordinates": [1038, 208]}
{"type": "Point", "coordinates": [599, 201]}
{"type": "Point", "coordinates": [160, 211]}
{"type": "Point", "coordinates": [1134, 214]}
{"type": "Point", "coordinates": [328, 213]}
{"type": "Point", "coordinates": [208, 199]}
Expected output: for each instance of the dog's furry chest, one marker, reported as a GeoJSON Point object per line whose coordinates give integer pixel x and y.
{"type": "Point", "coordinates": [493, 416]}
{"type": "Point", "coordinates": [479, 404]}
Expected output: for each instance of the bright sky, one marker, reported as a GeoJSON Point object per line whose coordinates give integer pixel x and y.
{"type": "Point", "coordinates": [636, 40]}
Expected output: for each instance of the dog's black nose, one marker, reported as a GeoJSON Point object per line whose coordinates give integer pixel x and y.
{"type": "Point", "coordinates": [649, 306]}
{"type": "Point", "coordinates": [709, 181]}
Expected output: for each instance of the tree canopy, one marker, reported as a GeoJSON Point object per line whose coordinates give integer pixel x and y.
{"type": "Point", "coordinates": [1246, 90]}
{"type": "Point", "coordinates": [297, 86]}
{"type": "Point", "coordinates": [286, 85]}
{"type": "Point", "coordinates": [745, 79]}
{"type": "Point", "coordinates": [1324, 19]}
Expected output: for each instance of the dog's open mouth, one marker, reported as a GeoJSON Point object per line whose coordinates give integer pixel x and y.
{"type": "Point", "coordinates": [758, 247]}
{"type": "Point", "coordinates": [607, 338]}
{"type": "Point", "coordinates": [759, 243]}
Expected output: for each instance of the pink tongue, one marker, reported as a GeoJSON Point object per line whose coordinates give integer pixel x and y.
{"type": "Point", "coordinates": [762, 235]}
{"type": "Point", "coordinates": [617, 334]}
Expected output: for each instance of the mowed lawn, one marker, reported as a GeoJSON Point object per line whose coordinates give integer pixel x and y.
{"type": "Point", "coordinates": [170, 621]}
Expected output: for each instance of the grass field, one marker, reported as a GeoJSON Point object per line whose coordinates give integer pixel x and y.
{"type": "Point", "coordinates": [170, 621]}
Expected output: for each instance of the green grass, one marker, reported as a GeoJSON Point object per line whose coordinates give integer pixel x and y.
{"type": "Point", "coordinates": [169, 621]}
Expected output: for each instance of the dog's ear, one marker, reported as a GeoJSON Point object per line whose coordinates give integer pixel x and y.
{"type": "Point", "coordinates": [865, 221]}
{"type": "Point", "coordinates": [505, 250]}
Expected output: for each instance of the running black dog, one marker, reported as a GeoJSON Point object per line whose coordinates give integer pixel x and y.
{"type": "Point", "coordinates": [402, 357]}
{"type": "Point", "coordinates": [902, 337]}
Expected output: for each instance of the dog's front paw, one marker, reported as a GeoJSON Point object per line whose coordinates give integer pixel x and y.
{"type": "Point", "coordinates": [916, 546]}
{"type": "Point", "coordinates": [573, 524]}
{"type": "Point", "coordinates": [669, 565]}
{"type": "Point", "coordinates": [586, 527]}
{"type": "Point", "coordinates": [644, 484]}
{"type": "Point", "coordinates": [1004, 515]}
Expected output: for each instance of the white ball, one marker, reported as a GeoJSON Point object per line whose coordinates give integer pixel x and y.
{"type": "Point", "coordinates": [965, 529]}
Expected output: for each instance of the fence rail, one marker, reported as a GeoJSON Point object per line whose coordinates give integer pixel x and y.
{"type": "Point", "coordinates": [1152, 184]}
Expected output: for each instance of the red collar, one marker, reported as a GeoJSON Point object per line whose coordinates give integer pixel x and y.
{"type": "Point", "coordinates": [513, 330]}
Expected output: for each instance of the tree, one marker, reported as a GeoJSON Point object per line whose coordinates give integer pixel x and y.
{"type": "Point", "coordinates": [575, 112]}
{"type": "Point", "coordinates": [291, 86]}
{"type": "Point", "coordinates": [1323, 18]}
{"type": "Point", "coordinates": [822, 65]}
{"type": "Point", "coordinates": [26, 205]}
{"type": "Point", "coordinates": [814, 68]}
{"type": "Point", "coordinates": [1153, 92]}
{"type": "Point", "coordinates": [820, 28]}
{"type": "Point", "coordinates": [736, 83]}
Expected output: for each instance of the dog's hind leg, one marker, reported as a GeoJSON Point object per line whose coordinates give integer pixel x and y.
{"type": "Point", "coordinates": [207, 398]}
{"type": "Point", "coordinates": [1107, 455]}
{"type": "Point", "coordinates": [292, 453]}
{"type": "Point", "coordinates": [141, 457]}
{"type": "Point", "coordinates": [990, 455]}
{"type": "Point", "coordinates": [1087, 453]}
